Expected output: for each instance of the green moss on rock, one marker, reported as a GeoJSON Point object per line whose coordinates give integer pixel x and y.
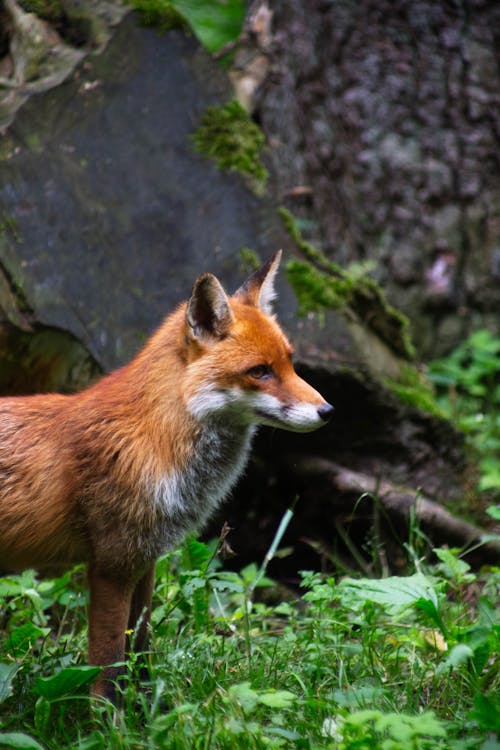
{"type": "Point", "coordinates": [49, 10]}
{"type": "Point", "coordinates": [9, 226]}
{"type": "Point", "coordinates": [315, 292]}
{"type": "Point", "coordinates": [413, 388]}
{"type": "Point", "coordinates": [383, 331]}
{"type": "Point", "coordinates": [320, 284]}
{"type": "Point", "coordinates": [158, 13]}
{"type": "Point", "coordinates": [250, 260]}
{"type": "Point", "coordinates": [228, 136]}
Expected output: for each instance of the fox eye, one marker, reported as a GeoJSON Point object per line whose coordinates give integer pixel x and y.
{"type": "Point", "coordinates": [259, 372]}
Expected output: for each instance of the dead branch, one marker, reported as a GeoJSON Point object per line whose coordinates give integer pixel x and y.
{"type": "Point", "coordinates": [401, 502]}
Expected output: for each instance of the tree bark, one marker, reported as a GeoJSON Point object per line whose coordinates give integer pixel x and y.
{"type": "Point", "coordinates": [384, 123]}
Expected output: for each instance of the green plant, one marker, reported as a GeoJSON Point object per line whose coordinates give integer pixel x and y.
{"type": "Point", "coordinates": [388, 731]}
{"type": "Point", "coordinates": [215, 22]}
{"type": "Point", "coordinates": [469, 392]}
{"type": "Point", "coordinates": [354, 664]}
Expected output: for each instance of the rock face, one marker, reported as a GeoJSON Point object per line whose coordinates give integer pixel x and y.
{"type": "Point", "coordinates": [33, 56]}
{"type": "Point", "coordinates": [107, 216]}
{"type": "Point", "coordinates": [385, 121]}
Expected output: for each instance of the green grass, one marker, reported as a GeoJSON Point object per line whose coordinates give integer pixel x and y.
{"type": "Point", "coordinates": [389, 664]}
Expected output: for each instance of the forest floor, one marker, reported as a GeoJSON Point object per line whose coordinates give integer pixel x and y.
{"type": "Point", "coordinates": [387, 664]}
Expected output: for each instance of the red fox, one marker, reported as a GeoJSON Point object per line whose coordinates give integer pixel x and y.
{"type": "Point", "coordinates": [116, 475]}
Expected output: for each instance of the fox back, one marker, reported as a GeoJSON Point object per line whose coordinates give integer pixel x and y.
{"type": "Point", "coordinates": [117, 474]}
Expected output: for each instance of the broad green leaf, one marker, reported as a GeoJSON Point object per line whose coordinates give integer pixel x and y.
{"type": "Point", "coordinates": [226, 585]}
{"type": "Point", "coordinates": [7, 674]}
{"type": "Point", "coordinates": [428, 724]}
{"type": "Point", "coordinates": [277, 698]}
{"type": "Point", "coordinates": [320, 592]}
{"type": "Point", "coordinates": [487, 613]}
{"type": "Point", "coordinates": [244, 695]}
{"type": "Point", "coordinates": [21, 639]}
{"type": "Point", "coordinates": [236, 726]}
{"type": "Point", "coordinates": [490, 470]}
{"type": "Point", "coordinates": [485, 341]}
{"type": "Point", "coordinates": [404, 728]}
{"type": "Point", "coordinates": [395, 594]}
{"type": "Point", "coordinates": [18, 584]}
{"type": "Point", "coordinates": [194, 584]}
{"type": "Point", "coordinates": [19, 740]}
{"type": "Point", "coordinates": [250, 574]}
{"type": "Point", "coordinates": [430, 609]}
{"type": "Point", "coordinates": [453, 567]}
{"type": "Point", "coordinates": [397, 726]}
{"type": "Point", "coordinates": [215, 22]}
{"type": "Point", "coordinates": [66, 682]}
{"type": "Point", "coordinates": [487, 712]}
{"type": "Point", "coordinates": [196, 554]}
{"type": "Point", "coordinates": [360, 718]}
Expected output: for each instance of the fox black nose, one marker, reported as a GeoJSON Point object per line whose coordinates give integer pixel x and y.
{"type": "Point", "coordinates": [326, 411]}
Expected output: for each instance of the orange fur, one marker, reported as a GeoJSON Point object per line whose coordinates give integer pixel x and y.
{"type": "Point", "coordinates": [116, 474]}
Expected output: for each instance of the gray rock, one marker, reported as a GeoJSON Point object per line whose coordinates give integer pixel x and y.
{"type": "Point", "coordinates": [104, 202]}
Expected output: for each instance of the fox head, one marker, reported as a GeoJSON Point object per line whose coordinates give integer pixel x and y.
{"type": "Point", "coordinates": [239, 361]}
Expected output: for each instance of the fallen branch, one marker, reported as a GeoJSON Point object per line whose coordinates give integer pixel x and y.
{"type": "Point", "coordinates": [402, 502]}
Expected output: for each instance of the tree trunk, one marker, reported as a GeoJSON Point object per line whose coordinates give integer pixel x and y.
{"type": "Point", "coordinates": [384, 123]}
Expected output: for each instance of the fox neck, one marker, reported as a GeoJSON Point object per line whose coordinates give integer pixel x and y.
{"type": "Point", "coordinates": [186, 497]}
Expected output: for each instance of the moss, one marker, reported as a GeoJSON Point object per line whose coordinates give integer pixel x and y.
{"type": "Point", "coordinates": [49, 10]}
{"type": "Point", "coordinates": [158, 13]}
{"type": "Point", "coordinates": [315, 292]}
{"type": "Point", "coordinates": [320, 284]}
{"type": "Point", "coordinates": [229, 136]}
{"type": "Point", "coordinates": [413, 388]}
{"type": "Point", "coordinates": [9, 225]}
{"type": "Point", "coordinates": [250, 260]}
{"type": "Point", "coordinates": [310, 252]}
{"type": "Point", "coordinates": [34, 141]}
{"type": "Point", "coordinates": [75, 21]}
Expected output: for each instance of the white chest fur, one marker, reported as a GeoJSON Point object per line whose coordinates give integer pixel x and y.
{"type": "Point", "coordinates": [185, 499]}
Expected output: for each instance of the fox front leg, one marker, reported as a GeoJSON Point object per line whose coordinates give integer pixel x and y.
{"type": "Point", "coordinates": [109, 613]}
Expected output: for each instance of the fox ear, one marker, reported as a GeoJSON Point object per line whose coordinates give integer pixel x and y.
{"type": "Point", "coordinates": [258, 290]}
{"type": "Point", "coordinates": [208, 312]}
